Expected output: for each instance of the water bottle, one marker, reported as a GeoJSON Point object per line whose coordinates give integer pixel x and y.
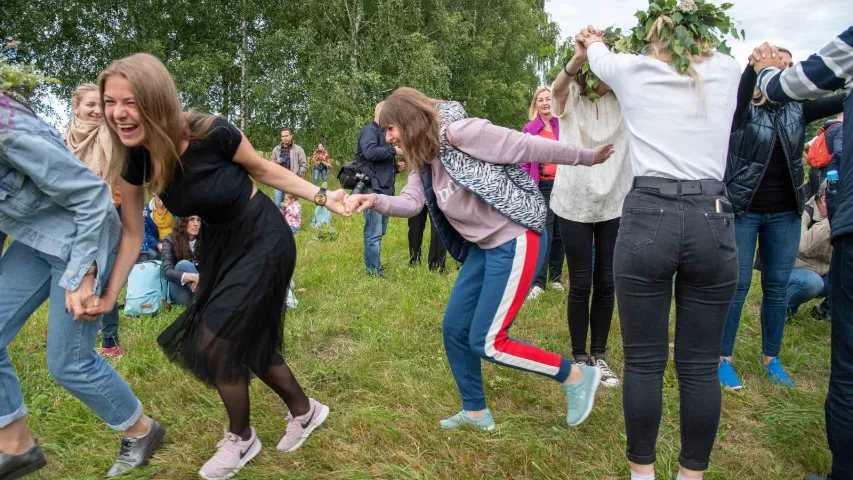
{"type": "Point", "coordinates": [832, 182]}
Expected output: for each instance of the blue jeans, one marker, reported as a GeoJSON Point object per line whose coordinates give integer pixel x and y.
{"type": "Point", "coordinates": [27, 279]}
{"type": "Point", "coordinates": [486, 297]}
{"type": "Point", "coordinates": [321, 173]}
{"type": "Point", "coordinates": [839, 398]}
{"type": "Point", "coordinates": [182, 294]}
{"type": "Point", "coordinates": [278, 197]}
{"type": "Point", "coordinates": [778, 238]}
{"type": "Point", "coordinates": [804, 286]}
{"type": "Point", "coordinates": [375, 226]}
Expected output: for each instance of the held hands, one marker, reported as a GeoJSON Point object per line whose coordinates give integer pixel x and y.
{"type": "Point", "coordinates": [590, 35]}
{"type": "Point", "coordinates": [337, 202]}
{"type": "Point", "coordinates": [79, 299]}
{"type": "Point", "coordinates": [766, 56]}
{"type": "Point", "coordinates": [361, 202]}
{"type": "Point", "coordinates": [602, 153]}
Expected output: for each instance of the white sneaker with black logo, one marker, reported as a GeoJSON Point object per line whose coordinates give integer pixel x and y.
{"type": "Point", "coordinates": [232, 454]}
{"type": "Point", "coordinates": [608, 378]}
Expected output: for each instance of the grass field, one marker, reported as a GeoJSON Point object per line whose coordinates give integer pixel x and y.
{"type": "Point", "coordinates": [371, 349]}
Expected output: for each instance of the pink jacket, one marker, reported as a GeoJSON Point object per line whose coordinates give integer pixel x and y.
{"type": "Point", "coordinates": [533, 128]}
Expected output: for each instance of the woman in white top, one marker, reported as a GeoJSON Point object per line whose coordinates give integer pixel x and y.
{"type": "Point", "coordinates": [588, 205]}
{"type": "Point", "coordinates": [675, 220]}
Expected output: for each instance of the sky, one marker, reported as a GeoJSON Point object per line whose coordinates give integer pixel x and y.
{"type": "Point", "coordinates": [801, 26]}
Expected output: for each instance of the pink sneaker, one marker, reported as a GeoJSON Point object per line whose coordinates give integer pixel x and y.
{"type": "Point", "coordinates": [112, 352]}
{"type": "Point", "coordinates": [298, 428]}
{"type": "Point", "coordinates": [231, 455]}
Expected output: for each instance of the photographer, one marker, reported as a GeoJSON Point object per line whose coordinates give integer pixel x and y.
{"type": "Point", "coordinates": [377, 157]}
{"type": "Point", "coordinates": [810, 277]}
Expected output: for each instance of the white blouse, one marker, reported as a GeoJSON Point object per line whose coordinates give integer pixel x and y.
{"type": "Point", "coordinates": [593, 194]}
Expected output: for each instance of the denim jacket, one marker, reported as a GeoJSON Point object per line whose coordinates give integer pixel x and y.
{"type": "Point", "coordinates": [50, 201]}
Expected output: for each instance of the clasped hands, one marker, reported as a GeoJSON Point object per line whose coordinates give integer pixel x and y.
{"type": "Point", "coordinates": [766, 56]}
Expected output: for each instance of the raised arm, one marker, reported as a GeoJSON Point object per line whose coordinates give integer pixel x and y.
{"type": "Point", "coordinates": [482, 140]}
{"type": "Point", "coordinates": [561, 87]}
{"type": "Point", "coordinates": [744, 97]}
{"type": "Point", "coordinates": [829, 70]}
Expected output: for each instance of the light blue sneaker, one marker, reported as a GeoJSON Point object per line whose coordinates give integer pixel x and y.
{"type": "Point", "coordinates": [580, 396]}
{"type": "Point", "coordinates": [728, 377]}
{"type": "Point", "coordinates": [461, 419]}
{"type": "Point", "coordinates": [777, 373]}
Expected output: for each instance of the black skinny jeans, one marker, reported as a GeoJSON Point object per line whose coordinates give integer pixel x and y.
{"type": "Point", "coordinates": [583, 279]}
{"type": "Point", "coordinates": [552, 268]}
{"type": "Point", "coordinates": [661, 235]}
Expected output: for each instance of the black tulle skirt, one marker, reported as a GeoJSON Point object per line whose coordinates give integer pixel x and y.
{"type": "Point", "coordinates": [235, 326]}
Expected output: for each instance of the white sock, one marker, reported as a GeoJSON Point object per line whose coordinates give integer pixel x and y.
{"type": "Point", "coordinates": [682, 477]}
{"type": "Point", "coordinates": [642, 476]}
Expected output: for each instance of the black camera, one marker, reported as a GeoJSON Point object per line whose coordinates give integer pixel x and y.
{"type": "Point", "coordinates": [362, 182]}
{"type": "Point", "coordinates": [353, 176]}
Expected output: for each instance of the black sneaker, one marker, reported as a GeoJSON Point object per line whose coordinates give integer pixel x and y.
{"type": "Point", "coordinates": [17, 466]}
{"type": "Point", "coordinates": [136, 451]}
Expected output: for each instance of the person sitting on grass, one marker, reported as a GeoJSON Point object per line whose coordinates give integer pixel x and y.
{"type": "Point", "coordinates": [487, 209]}
{"type": "Point", "coordinates": [161, 217]}
{"type": "Point", "coordinates": [180, 260]}
{"type": "Point", "coordinates": [292, 212]}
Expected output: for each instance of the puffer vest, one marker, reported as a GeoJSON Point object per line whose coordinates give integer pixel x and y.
{"type": "Point", "coordinates": [750, 149]}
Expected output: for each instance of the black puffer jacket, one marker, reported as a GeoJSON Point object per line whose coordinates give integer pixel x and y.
{"type": "Point", "coordinates": [755, 132]}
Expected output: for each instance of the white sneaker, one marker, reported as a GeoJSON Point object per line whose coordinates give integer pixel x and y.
{"type": "Point", "coordinates": [231, 455]}
{"type": "Point", "coordinates": [534, 293]}
{"type": "Point", "coordinates": [558, 287]}
{"type": "Point", "coordinates": [608, 378]}
{"type": "Point", "coordinates": [298, 428]}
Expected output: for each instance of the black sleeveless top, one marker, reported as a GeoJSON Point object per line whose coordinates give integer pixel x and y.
{"type": "Point", "coordinates": [207, 182]}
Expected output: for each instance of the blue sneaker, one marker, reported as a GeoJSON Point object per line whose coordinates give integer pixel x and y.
{"type": "Point", "coordinates": [580, 396]}
{"type": "Point", "coordinates": [777, 373]}
{"type": "Point", "coordinates": [461, 419]}
{"type": "Point", "coordinates": [728, 377]}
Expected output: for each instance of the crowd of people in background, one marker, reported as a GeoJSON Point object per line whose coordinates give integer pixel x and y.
{"type": "Point", "coordinates": [649, 191]}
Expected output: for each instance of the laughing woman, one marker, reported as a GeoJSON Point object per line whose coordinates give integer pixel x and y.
{"type": "Point", "coordinates": [202, 165]}
{"type": "Point", "coordinates": [491, 217]}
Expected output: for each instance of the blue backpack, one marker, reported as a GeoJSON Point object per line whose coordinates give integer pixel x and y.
{"type": "Point", "coordinates": [146, 289]}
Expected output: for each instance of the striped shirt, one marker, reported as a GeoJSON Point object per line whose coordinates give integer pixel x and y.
{"type": "Point", "coordinates": [829, 70]}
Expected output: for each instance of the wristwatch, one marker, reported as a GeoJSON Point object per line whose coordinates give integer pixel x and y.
{"type": "Point", "coordinates": [320, 198]}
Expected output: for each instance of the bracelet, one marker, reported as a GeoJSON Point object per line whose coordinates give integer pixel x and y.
{"type": "Point", "coordinates": [570, 74]}
{"type": "Point", "coordinates": [111, 290]}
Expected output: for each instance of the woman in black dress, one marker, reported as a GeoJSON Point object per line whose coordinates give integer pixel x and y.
{"type": "Point", "coordinates": [200, 165]}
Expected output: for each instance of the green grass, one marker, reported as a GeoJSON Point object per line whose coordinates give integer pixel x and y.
{"type": "Point", "coordinates": [371, 349]}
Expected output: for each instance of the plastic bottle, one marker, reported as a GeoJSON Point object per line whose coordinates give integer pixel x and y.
{"type": "Point", "coordinates": [832, 182]}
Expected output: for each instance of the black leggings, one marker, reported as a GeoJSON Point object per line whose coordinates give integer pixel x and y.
{"type": "Point", "coordinates": [583, 277]}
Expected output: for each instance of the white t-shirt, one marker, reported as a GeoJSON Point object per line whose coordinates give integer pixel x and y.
{"type": "Point", "coordinates": [594, 194]}
{"type": "Point", "coordinates": [673, 131]}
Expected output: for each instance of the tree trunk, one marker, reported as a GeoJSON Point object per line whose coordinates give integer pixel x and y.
{"type": "Point", "coordinates": [244, 110]}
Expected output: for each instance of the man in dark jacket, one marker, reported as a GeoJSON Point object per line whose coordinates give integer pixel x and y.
{"type": "Point", "coordinates": [376, 156]}
{"type": "Point", "coordinates": [829, 70]}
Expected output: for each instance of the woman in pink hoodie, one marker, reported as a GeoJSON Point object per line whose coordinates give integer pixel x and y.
{"type": "Point", "coordinates": [491, 217]}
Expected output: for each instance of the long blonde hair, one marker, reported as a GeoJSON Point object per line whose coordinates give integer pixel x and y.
{"type": "Point", "coordinates": [533, 113]}
{"type": "Point", "coordinates": [81, 92]}
{"type": "Point", "coordinates": [164, 123]}
{"type": "Point", "coordinates": [416, 116]}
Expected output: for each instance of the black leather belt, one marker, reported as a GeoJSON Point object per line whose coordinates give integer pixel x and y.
{"type": "Point", "coordinates": [668, 186]}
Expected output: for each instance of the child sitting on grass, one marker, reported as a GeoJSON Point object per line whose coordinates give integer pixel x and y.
{"type": "Point", "coordinates": [292, 212]}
